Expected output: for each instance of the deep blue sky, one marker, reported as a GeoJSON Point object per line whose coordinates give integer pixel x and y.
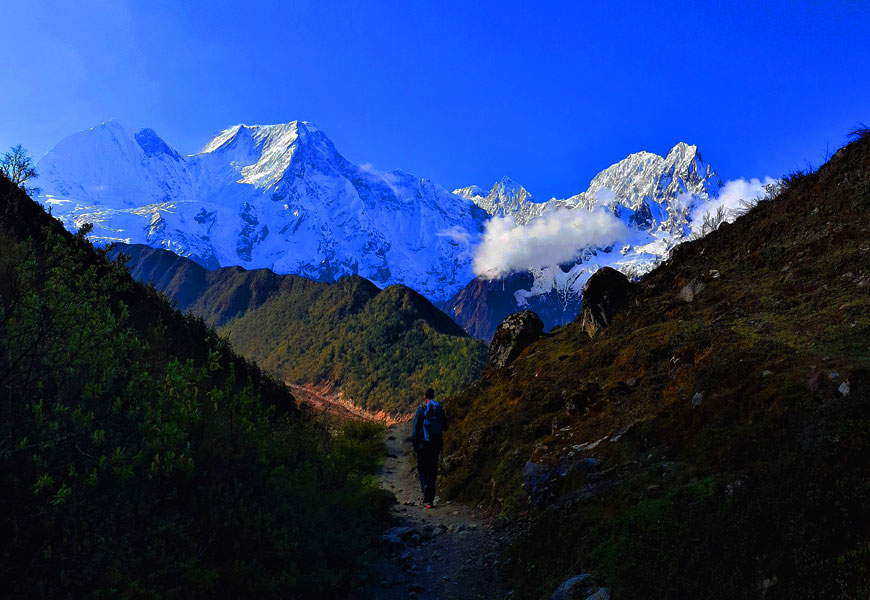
{"type": "Point", "coordinates": [459, 92]}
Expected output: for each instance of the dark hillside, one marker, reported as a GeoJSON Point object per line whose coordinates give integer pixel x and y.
{"type": "Point", "coordinates": [381, 349]}
{"type": "Point", "coordinates": [712, 444]}
{"type": "Point", "coordinates": [141, 457]}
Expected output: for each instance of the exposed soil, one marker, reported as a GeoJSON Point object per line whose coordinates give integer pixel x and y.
{"type": "Point", "coordinates": [325, 400]}
{"type": "Point", "coordinates": [447, 552]}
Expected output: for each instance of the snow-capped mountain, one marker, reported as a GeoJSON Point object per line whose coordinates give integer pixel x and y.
{"type": "Point", "coordinates": [282, 197]}
{"type": "Point", "coordinates": [277, 196]}
{"type": "Point", "coordinates": [646, 184]}
{"type": "Point", "coordinates": [506, 198]}
{"type": "Point", "coordinates": [653, 195]}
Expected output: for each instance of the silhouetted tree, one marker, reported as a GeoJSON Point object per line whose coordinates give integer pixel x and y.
{"type": "Point", "coordinates": [17, 165]}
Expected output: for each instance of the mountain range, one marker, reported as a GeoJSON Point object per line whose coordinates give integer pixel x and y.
{"type": "Point", "coordinates": [654, 196]}
{"type": "Point", "coordinates": [278, 197]}
{"type": "Point", "coordinates": [282, 197]}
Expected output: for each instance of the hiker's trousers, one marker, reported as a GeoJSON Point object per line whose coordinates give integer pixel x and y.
{"type": "Point", "coordinates": [427, 469]}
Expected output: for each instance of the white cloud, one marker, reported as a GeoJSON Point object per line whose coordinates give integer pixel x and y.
{"type": "Point", "coordinates": [554, 238]}
{"type": "Point", "coordinates": [457, 233]}
{"type": "Point", "coordinates": [730, 196]}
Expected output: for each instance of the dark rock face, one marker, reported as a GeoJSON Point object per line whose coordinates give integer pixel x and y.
{"type": "Point", "coordinates": [484, 303]}
{"type": "Point", "coordinates": [513, 336]}
{"type": "Point", "coordinates": [607, 293]}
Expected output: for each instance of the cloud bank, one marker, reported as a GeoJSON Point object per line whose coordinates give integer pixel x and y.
{"type": "Point", "coordinates": [729, 198]}
{"type": "Point", "coordinates": [554, 238]}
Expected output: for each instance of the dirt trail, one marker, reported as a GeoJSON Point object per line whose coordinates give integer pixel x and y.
{"type": "Point", "coordinates": [327, 401]}
{"type": "Point", "coordinates": [448, 552]}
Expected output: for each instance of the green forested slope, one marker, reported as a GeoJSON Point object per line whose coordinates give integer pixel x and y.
{"type": "Point", "coordinates": [380, 348]}
{"type": "Point", "coordinates": [382, 351]}
{"type": "Point", "coordinates": [711, 448]}
{"type": "Point", "coordinates": [140, 457]}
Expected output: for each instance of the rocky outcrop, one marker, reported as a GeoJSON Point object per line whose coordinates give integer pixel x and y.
{"type": "Point", "coordinates": [573, 588]}
{"type": "Point", "coordinates": [577, 588]}
{"type": "Point", "coordinates": [689, 291]}
{"type": "Point", "coordinates": [607, 293]}
{"type": "Point", "coordinates": [484, 303]}
{"type": "Point", "coordinates": [514, 335]}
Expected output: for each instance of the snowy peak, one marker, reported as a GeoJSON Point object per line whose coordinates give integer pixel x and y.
{"type": "Point", "coordinates": [647, 177]}
{"type": "Point", "coordinates": [471, 192]}
{"type": "Point", "coordinates": [263, 153]}
{"type": "Point", "coordinates": [505, 198]}
{"type": "Point", "coordinates": [643, 187]}
{"type": "Point", "coordinates": [113, 165]}
{"type": "Point", "coordinates": [274, 196]}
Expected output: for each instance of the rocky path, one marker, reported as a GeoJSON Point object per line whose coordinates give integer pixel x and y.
{"type": "Point", "coordinates": [448, 552]}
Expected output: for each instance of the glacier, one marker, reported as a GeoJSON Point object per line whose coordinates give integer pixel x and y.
{"type": "Point", "coordinates": [276, 196]}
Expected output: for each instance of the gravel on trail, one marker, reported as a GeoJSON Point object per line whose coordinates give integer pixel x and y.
{"type": "Point", "coordinates": [448, 552]}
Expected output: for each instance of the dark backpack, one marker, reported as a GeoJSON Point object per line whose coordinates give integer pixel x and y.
{"type": "Point", "coordinates": [433, 421]}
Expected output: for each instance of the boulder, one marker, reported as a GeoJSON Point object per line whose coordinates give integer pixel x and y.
{"type": "Point", "coordinates": [689, 291]}
{"type": "Point", "coordinates": [397, 537]}
{"type": "Point", "coordinates": [513, 336]}
{"type": "Point", "coordinates": [573, 588]}
{"type": "Point", "coordinates": [607, 293]}
{"type": "Point", "coordinates": [576, 588]}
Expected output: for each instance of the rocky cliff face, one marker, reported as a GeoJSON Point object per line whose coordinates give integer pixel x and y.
{"type": "Point", "coordinates": [484, 303]}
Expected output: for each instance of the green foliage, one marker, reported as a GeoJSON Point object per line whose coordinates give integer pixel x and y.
{"type": "Point", "coordinates": [382, 349]}
{"type": "Point", "coordinates": [140, 458]}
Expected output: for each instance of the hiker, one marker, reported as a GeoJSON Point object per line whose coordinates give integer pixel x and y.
{"type": "Point", "coordinates": [429, 424]}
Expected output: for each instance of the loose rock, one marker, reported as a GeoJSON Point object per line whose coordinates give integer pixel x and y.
{"type": "Point", "coordinates": [514, 335]}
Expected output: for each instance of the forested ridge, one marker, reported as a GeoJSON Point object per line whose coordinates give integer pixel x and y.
{"type": "Point", "coordinates": [141, 457]}
{"type": "Point", "coordinates": [380, 348]}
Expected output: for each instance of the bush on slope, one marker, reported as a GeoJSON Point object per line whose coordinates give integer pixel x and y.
{"type": "Point", "coordinates": [140, 457]}
{"type": "Point", "coordinates": [716, 448]}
